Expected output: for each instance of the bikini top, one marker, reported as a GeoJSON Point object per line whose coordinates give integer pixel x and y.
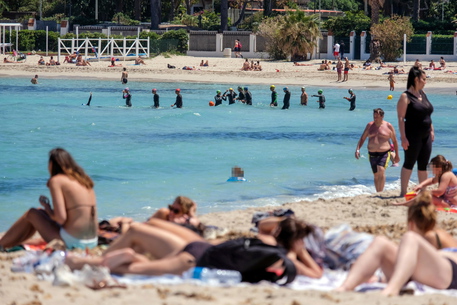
{"type": "Point", "coordinates": [92, 212]}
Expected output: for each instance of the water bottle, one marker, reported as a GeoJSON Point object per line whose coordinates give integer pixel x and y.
{"type": "Point", "coordinates": [213, 276]}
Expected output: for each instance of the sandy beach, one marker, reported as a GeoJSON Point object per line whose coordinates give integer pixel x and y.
{"type": "Point", "coordinates": [365, 213]}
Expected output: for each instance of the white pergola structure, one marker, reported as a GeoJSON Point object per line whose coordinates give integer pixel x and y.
{"type": "Point", "coordinates": [8, 27]}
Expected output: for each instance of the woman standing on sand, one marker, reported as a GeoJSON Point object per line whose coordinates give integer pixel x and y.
{"type": "Point", "coordinates": [416, 129]}
{"type": "Point", "coordinates": [416, 258]}
{"type": "Point", "coordinates": [73, 217]}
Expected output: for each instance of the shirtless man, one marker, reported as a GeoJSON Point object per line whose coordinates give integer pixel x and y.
{"type": "Point", "coordinates": [34, 80]}
{"type": "Point", "coordinates": [124, 76]}
{"type": "Point", "coordinates": [379, 133]}
{"type": "Point", "coordinates": [339, 69]}
{"type": "Point", "coordinates": [303, 97]}
{"type": "Point", "coordinates": [347, 66]}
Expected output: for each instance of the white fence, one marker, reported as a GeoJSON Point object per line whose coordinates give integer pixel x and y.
{"type": "Point", "coordinates": [103, 48]}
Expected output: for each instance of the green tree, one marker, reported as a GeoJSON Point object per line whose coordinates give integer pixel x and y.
{"type": "Point", "coordinates": [293, 34]}
{"type": "Point", "coordinates": [390, 35]}
{"type": "Point", "coordinates": [341, 5]}
{"type": "Point", "coordinates": [351, 21]}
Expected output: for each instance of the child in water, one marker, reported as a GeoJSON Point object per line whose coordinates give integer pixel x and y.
{"type": "Point", "coordinates": [445, 195]}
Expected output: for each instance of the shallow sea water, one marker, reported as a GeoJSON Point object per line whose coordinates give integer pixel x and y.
{"type": "Point", "coordinates": [141, 158]}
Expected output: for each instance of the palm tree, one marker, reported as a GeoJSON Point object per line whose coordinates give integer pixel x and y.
{"type": "Point", "coordinates": [376, 5]}
{"type": "Point", "coordinates": [155, 14]}
{"type": "Point", "coordinates": [299, 34]}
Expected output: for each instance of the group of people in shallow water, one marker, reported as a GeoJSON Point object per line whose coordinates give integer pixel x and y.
{"type": "Point", "coordinates": [244, 96]}
{"type": "Point", "coordinates": [172, 236]}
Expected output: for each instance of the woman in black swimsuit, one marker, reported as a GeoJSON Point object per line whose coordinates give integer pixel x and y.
{"type": "Point", "coordinates": [416, 129]}
{"type": "Point", "coordinates": [414, 259]}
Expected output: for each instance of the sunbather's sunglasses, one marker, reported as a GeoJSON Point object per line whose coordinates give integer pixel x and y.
{"type": "Point", "coordinates": [172, 209]}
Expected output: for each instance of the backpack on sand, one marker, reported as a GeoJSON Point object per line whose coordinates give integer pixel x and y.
{"type": "Point", "coordinates": [251, 257]}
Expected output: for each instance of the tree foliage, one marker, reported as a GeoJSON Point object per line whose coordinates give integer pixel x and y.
{"type": "Point", "coordinates": [293, 34]}
{"type": "Point", "coordinates": [341, 5]}
{"type": "Point", "coordinates": [351, 21]}
{"type": "Point", "coordinates": [390, 35]}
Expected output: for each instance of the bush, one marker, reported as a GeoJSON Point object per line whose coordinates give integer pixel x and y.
{"type": "Point", "coordinates": [180, 36]}
{"type": "Point", "coordinates": [390, 34]}
{"type": "Point", "coordinates": [352, 21]}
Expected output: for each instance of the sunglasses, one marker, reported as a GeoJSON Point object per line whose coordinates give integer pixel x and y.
{"type": "Point", "coordinates": [174, 210]}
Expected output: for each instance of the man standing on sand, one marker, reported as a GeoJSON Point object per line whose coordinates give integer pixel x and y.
{"type": "Point", "coordinates": [347, 66]}
{"type": "Point", "coordinates": [379, 133]}
{"type": "Point", "coordinates": [339, 69]}
{"type": "Point", "coordinates": [124, 76]}
{"type": "Point", "coordinates": [336, 50]}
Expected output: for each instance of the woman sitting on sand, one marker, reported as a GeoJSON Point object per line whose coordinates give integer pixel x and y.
{"type": "Point", "coordinates": [73, 217]}
{"type": "Point", "coordinates": [246, 66]}
{"type": "Point", "coordinates": [416, 258]}
{"type": "Point", "coordinates": [176, 249]}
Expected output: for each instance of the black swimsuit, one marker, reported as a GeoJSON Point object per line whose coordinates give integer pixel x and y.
{"type": "Point", "coordinates": [417, 130]}
{"type": "Point", "coordinates": [197, 248]}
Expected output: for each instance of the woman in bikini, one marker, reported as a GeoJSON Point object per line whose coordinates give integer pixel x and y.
{"type": "Point", "coordinates": [424, 254]}
{"type": "Point", "coordinates": [73, 215]}
{"type": "Point", "coordinates": [176, 249]}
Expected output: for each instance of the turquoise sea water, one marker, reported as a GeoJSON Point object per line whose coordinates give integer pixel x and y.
{"type": "Point", "coordinates": [141, 158]}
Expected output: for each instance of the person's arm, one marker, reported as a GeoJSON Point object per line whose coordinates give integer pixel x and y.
{"type": "Point", "coordinates": [59, 213]}
{"type": "Point", "coordinates": [361, 141]}
{"type": "Point", "coordinates": [402, 106]}
{"type": "Point", "coordinates": [305, 264]}
{"type": "Point", "coordinates": [432, 133]}
{"type": "Point", "coordinates": [393, 137]}
{"type": "Point", "coordinates": [269, 225]}
{"type": "Point", "coordinates": [444, 183]}
{"type": "Point", "coordinates": [426, 182]}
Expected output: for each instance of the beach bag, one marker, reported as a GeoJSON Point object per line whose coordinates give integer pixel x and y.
{"type": "Point", "coordinates": [251, 257]}
{"type": "Point", "coordinates": [240, 45]}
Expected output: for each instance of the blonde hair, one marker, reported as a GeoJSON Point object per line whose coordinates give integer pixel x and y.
{"type": "Point", "coordinates": [422, 212]}
{"type": "Point", "coordinates": [188, 206]}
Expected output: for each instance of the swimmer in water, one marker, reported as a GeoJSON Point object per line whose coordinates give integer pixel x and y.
{"type": "Point", "coordinates": [178, 102]}
{"type": "Point", "coordinates": [321, 97]}
{"type": "Point", "coordinates": [274, 96]}
{"type": "Point", "coordinates": [156, 98]}
{"type": "Point", "coordinates": [90, 99]}
{"type": "Point", "coordinates": [34, 80]}
{"type": "Point", "coordinates": [127, 96]}
{"type": "Point", "coordinates": [351, 99]}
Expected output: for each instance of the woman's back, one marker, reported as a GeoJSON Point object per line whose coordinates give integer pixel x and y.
{"type": "Point", "coordinates": [74, 206]}
{"type": "Point", "coordinates": [440, 239]}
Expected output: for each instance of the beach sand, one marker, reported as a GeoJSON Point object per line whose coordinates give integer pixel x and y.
{"type": "Point", "coordinates": [367, 213]}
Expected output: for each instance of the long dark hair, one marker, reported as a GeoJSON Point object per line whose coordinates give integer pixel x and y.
{"type": "Point", "coordinates": [440, 162]}
{"type": "Point", "coordinates": [63, 163]}
{"type": "Point", "coordinates": [414, 73]}
{"type": "Point", "coordinates": [290, 230]}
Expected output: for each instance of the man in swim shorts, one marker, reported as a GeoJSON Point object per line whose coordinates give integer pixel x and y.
{"type": "Point", "coordinates": [379, 134]}
{"type": "Point", "coordinates": [124, 76]}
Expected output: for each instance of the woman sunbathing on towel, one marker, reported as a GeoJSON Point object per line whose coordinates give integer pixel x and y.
{"type": "Point", "coordinates": [423, 254]}
{"type": "Point", "coordinates": [176, 249]}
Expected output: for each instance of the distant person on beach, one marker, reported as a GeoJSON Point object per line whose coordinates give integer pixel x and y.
{"type": "Point", "coordinates": [241, 97]}
{"type": "Point", "coordinates": [41, 61]}
{"type": "Point", "coordinates": [336, 50]}
{"type": "Point", "coordinates": [72, 217]}
{"type": "Point", "coordinates": [417, 134]}
{"type": "Point", "coordinates": [274, 96]}
{"type": "Point", "coordinates": [246, 66]}
{"type": "Point", "coordinates": [218, 98]}
{"type": "Point", "coordinates": [321, 100]}
{"type": "Point", "coordinates": [237, 174]}
{"type": "Point", "coordinates": [391, 79]}
{"type": "Point", "coordinates": [342, 45]}
{"type": "Point", "coordinates": [259, 66]}
{"type": "Point", "coordinates": [139, 61]}
{"type": "Point", "coordinates": [230, 95]}
{"type": "Point", "coordinates": [51, 62]}
{"type": "Point", "coordinates": [431, 65]}
{"type": "Point", "coordinates": [247, 96]}
{"type": "Point", "coordinates": [286, 100]}
{"type": "Point", "coordinates": [379, 134]}
{"type": "Point", "coordinates": [416, 257]}
{"type": "Point", "coordinates": [178, 102]}
{"type": "Point", "coordinates": [127, 96]}
{"type": "Point", "coordinates": [303, 97]}
{"type": "Point", "coordinates": [351, 99]}
{"type": "Point", "coordinates": [183, 210]}
{"type": "Point", "coordinates": [237, 49]}
{"type": "Point", "coordinates": [155, 98]}
{"type": "Point", "coordinates": [445, 195]}
{"type": "Point", "coordinates": [323, 66]}
{"type": "Point", "coordinates": [417, 64]}
{"type": "Point", "coordinates": [339, 69]}
{"type": "Point", "coordinates": [124, 76]}
{"type": "Point", "coordinates": [442, 63]}
{"type": "Point", "coordinates": [34, 80]}
{"type": "Point", "coordinates": [347, 67]}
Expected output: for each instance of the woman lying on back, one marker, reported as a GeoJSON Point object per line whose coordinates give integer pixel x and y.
{"type": "Point", "coordinates": [73, 217]}
{"type": "Point", "coordinates": [423, 254]}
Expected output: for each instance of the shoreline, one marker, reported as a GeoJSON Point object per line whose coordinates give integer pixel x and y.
{"type": "Point", "coordinates": [227, 71]}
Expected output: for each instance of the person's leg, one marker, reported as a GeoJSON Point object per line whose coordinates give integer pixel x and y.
{"type": "Point", "coordinates": [405, 174]}
{"type": "Point", "coordinates": [32, 221]}
{"type": "Point", "coordinates": [380, 254]}
{"type": "Point", "coordinates": [419, 260]}
{"type": "Point", "coordinates": [147, 239]}
{"type": "Point", "coordinates": [380, 178]}
{"type": "Point", "coordinates": [187, 235]}
{"type": "Point", "coordinates": [131, 262]}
